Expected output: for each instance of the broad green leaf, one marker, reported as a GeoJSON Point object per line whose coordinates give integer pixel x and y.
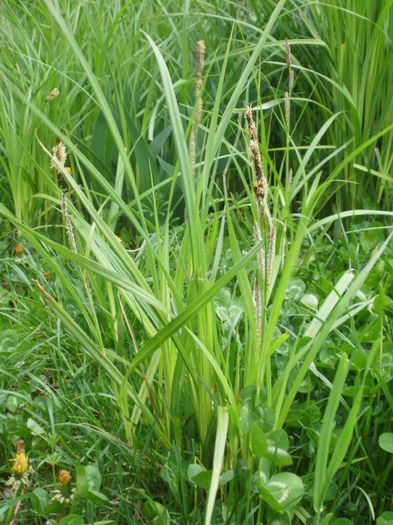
{"type": "Point", "coordinates": [156, 510]}
{"type": "Point", "coordinates": [39, 500]}
{"type": "Point", "coordinates": [12, 403]}
{"type": "Point", "coordinates": [275, 518]}
{"type": "Point", "coordinates": [96, 496]}
{"type": "Point", "coordinates": [287, 489]}
{"type": "Point", "coordinates": [202, 479]}
{"type": "Point", "coordinates": [258, 441]}
{"type": "Point", "coordinates": [386, 441]}
{"type": "Point", "coordinates": [34, 427]}
{"type": "Point", "coordinates": [88, 483]}
{"type": "Point", "coordinates": [386, 518]}
{"type": "Point", "coordinates": [278, 456]}
{"type": "Point", "coordinates": [226, 477]}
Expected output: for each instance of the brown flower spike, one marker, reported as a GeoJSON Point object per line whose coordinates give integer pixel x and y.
{"type": "Point", "coordinates": [60, 153]}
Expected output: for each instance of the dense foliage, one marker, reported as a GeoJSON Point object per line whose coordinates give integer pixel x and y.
{"type": "Point", "coordinates": [197, 283]}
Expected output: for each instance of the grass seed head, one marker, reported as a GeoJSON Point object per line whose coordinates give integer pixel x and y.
{"type": "Point", "coordinates": [252, 130]}
{"type": "Point", "coordinates": [260, 184]}
{"type": "Point", "coordinates": [287, 107]}
{"type": "Point", "coordinates": [68, 223]}
{"type": "Point", "coordinates": [290, 175]}
{"type": "Point", "coordinates": [288, 52]}
{"type": "Point", "coordinates": [255, 154]}
{"type": "Point", "coordinates": [289, 63]}
{"type": "Point", "coordinates": [200, 62]}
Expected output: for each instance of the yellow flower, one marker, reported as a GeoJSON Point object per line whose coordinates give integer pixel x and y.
{"type": "Point", "coordinates": [64, 477]}
{"type": "Point", "coordinates": [21, 464]}
{"type": "Point", "coordinates": [19, 248]}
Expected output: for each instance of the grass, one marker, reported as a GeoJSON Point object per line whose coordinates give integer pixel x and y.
{"type": "Point", "coordinates": [196, 302]}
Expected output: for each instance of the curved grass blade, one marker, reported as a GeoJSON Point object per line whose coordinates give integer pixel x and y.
{"type": "Point", "coordinates": [219, 450]}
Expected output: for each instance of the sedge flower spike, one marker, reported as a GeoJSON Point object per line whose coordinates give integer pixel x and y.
{"type": "Point", "coordinates": [59, 152]}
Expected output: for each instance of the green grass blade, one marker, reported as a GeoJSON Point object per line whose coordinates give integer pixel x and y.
{"type": "Point", "coordinates": [190, 311]}
{"type": "Point", "coordinates": [219, 450]}
{"type": "Point", "coordinates": [320, 480]}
